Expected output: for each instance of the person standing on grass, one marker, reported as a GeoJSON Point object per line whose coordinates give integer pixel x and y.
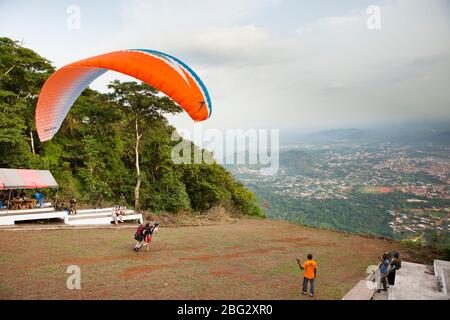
{"type": "Point", "coordinates": [310, 268]}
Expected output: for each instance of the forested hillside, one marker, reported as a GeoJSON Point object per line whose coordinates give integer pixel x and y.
{"type": "Point", "coordinates": [94, 153]}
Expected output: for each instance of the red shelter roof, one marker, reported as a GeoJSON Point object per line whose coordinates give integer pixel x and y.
{"type": "Point", "coordinates": [26, 179]}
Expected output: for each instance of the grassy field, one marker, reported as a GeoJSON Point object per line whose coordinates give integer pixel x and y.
{"type": "Point", "coordinates": [250, 259]}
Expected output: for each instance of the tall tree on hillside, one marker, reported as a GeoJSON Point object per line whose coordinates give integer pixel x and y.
{"type": "Point", "coordinates": [142, 105]}
{"type": "Point", "coordinates": [22, 74]}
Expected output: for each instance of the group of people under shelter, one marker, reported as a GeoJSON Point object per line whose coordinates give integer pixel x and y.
{"type": "Point", "coordinates": [14, 200]}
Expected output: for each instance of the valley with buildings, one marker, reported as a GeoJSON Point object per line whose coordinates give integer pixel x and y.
{"type": "Point", "coordinates": [386, 189]}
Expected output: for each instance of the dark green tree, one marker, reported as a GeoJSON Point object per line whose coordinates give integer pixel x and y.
{"type": "Point", "coordinates": [142, 105]}
{"type": "Point", "coordinates": [22, 74]}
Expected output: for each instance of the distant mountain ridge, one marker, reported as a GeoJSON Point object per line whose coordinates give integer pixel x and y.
{"type": "Point", "coordinates": [395, 134]}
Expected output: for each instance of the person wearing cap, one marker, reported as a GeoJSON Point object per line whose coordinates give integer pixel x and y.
{"type": "Point", "coordinates": [396, 264]}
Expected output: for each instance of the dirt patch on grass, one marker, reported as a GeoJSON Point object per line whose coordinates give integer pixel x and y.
{"type": "Point", "coordinates": [233, 274]}
{"type": "Point", "coordinates": [232, 255]}
{"type": "Point", "coordinates": [142, 256]}
{"type": "Point", "coordinates": [99, 260]}
{"type": "Point", "coordinates": [139, 270]}
{"type": "Point", "coordinates": [233, 248]}
{"type": "Point", "coordinates": [291, 240]}
{"type": "Point", "coordinates": [223, 272]}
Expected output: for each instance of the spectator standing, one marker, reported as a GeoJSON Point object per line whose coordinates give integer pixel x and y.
{"type": "Point", "coordinates": [396, 264]}
{"type": "Point", "coordinates": [384, 270]}
{"type": "Point", "coordinates": [310, 268]}
{"type": "Point", "coordinates": [73, 206]}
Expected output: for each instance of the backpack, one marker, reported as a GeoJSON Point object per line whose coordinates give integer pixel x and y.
{"type": "Point", "coordinates": [139, 233]}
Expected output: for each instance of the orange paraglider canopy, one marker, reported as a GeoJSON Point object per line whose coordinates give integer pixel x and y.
{"type": "Point", "coordinates": [161, 71]}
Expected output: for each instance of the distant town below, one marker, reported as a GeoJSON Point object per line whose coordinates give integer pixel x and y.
{"type": "Point", "coordinates": [394, 189]}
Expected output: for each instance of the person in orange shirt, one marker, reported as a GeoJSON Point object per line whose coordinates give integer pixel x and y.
{"type": "Point", "coordinates": [310, 267]}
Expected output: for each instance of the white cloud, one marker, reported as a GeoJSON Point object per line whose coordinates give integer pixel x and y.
{"type": "Point", "coordinates": [334, 71]}
{"type": "Point", "coordinates": [331, 71]}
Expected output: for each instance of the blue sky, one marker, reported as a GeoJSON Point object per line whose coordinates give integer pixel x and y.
{"type": "Point", "coordinates": [298, 65]}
